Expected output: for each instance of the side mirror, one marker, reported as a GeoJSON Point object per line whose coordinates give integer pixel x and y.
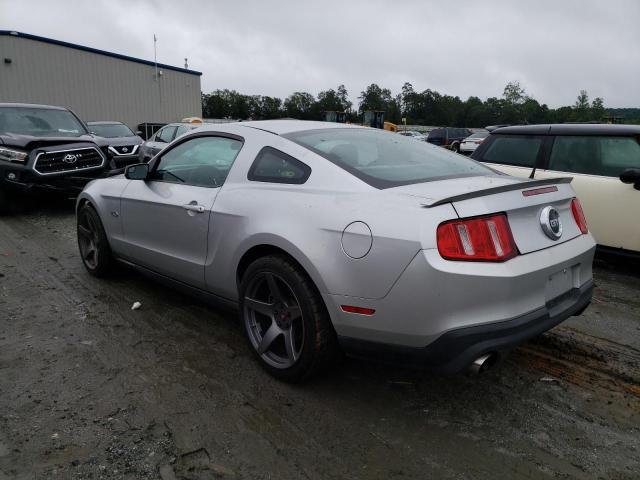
{"type": "Point", "coordinates": [139, 133]}
{"type": "Point", "coordinates": [631, 175]}
{"type": "Point", "coordinates": [138, 171]}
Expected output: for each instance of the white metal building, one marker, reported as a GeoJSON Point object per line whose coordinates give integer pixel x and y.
{"type": "Point", "coordinates": [96, 84]}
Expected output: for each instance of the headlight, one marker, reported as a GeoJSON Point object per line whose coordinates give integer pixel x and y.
{"type": "Point", "coordinates": [11, 155]}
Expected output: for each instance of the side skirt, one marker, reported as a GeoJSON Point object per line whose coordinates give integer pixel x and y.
{"type": "Point", "coordinates": [202, 295]}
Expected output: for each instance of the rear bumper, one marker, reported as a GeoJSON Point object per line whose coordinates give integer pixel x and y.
{"type": "Point", "coordinates": [434, 296]}
{"type": "Point", "coordinates": [457, 349]}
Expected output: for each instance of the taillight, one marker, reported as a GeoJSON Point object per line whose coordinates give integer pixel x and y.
{"type": "Point", "coordinates": [480, 239]}
{"type": "Point", "coordinates": [578, 215]}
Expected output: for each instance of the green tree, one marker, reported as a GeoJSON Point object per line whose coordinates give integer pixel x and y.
{"type": "Point", "coordinates": [343, 96]}
{"type": "Point", "coordinates": [597, 109]}
{"type": "Point", "coordinates": [513, 93]}
{"type": "Point", "coordinates": [300, 105]}
{"type": "Point", "coordinates": [582, 110]}
{"type": "Point", "coordinates": [375, 98]}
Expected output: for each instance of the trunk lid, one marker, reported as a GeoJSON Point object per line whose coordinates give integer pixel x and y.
{"type": "Point", "coordinates": [476, 196]}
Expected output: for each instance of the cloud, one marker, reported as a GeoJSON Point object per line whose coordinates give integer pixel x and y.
{"type": "Point", "coordinates": [274, 48]}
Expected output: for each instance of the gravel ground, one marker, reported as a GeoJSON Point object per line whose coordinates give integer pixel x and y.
{"type": "Point", "coordinates": [91, 389]}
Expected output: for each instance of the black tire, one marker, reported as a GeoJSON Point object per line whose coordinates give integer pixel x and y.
{"type": "Point", "coordinates": [92, 238]}
{"type": "Point", "coordinates": [319, 348]}
{"type": "Point", "coordinates": [456, 147]}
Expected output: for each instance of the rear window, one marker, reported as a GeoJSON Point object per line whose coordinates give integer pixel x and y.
{"type": "Point", "coordinates": [606, 156]}
{"type": "Point", "coordinates": [437, 133]}
{"type": "Point", "coordinates": [384, 159]}
{"type": "Point", "coordinates": [479, 135]}
{"type": "Point", "coordinates": [513, 150]}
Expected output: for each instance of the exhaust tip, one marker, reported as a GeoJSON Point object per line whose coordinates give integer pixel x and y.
{"type": "Point", "coordinates": [483, 363]}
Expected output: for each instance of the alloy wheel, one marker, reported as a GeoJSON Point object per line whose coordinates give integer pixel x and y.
{"type": "Point", "coordinates": [88, 240]}
{"type": "Point", "coordinates": [273, 319]}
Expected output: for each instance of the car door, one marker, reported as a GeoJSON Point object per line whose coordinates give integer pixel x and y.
{"type": "Point", "coordinates": [165, 218]}
{"type": "Point", "coordinates": [595, 163]}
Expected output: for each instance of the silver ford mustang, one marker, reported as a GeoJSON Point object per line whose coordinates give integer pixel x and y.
{"type": "Point", "coordinates": [332, 238]}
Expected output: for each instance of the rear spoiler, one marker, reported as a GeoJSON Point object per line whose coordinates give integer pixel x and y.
{"type": "Point", "coordinates": [503, 188]}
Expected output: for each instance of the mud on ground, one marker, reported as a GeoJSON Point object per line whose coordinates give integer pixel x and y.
{"type": "Point", "coordinates": [91, 389]}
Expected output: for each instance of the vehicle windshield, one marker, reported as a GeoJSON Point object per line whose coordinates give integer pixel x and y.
{"type": "Point", "coordinates": [111, 130]}
{"type": "Point", "coordinates": [383, 159]}
{"type": "Point", "coordinates": [40, 122]}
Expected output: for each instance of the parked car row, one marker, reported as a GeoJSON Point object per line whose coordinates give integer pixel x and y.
{"type": "Point", "coordinates": [50, 149]}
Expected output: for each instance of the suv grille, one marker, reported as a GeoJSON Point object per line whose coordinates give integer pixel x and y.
{"type": "Point", "coordinates": [68, 161]}
{"type": "Point", "coordinates": [126, 149]}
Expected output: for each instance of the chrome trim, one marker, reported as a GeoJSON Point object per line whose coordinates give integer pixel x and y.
{"type": "Point", "coordinates": [132, 152]}
{"type": "Point", "coordinates": [35, 162]}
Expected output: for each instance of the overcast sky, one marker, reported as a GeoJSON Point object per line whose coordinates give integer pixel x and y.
{"type": "Point", "coordinates": [554, 48]}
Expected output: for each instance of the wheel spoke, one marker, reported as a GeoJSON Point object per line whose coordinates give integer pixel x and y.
{"type": "Point", "coordinates": [258, 306]}
{"type": "Point", "coordinates": [90, 253]}
{"type": "Point", "coordinates": [84, 231]}
{"type": "Point", "coordinates": [289, 345]}
{"type": "Point", "coordinates": [273, 287]}
{"type": "Point", "coordinates": [269, 336]}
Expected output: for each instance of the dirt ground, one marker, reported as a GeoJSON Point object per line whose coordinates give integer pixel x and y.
{"type": "Point", "coordinates": [91, 389]}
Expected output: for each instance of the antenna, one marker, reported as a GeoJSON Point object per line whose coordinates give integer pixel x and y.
{"type": "Point", "coordinates": [186, 62]}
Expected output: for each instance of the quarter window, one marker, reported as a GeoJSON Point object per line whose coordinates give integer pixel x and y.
{"type": "Point", "coordinates": [201, 161]}
{"type": "Point", "coordinates": [513, 150]}
{"type": "Point", "coordinates": [274, 166]}
{"type": "Point", "coordinates": [606, 156]}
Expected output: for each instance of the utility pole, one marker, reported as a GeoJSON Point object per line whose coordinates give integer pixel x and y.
{"type": "Point", "coordinates": [155, 55]}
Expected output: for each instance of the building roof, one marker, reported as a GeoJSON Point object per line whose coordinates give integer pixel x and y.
{"type": "Point", "coordinates": [95, 50]}
{"type": "Point", "coordinates": [570, 129]}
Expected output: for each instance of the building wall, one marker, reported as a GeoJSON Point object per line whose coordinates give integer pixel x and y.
{"type": "Point", "coordinates": [96, 87]}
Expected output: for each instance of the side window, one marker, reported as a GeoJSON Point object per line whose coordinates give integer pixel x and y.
{"type": "Point", "coordinates": [606, 156]}
{"type": "Point", "coordinates": [618, 154]}
{"type": "Point", "coordinates": [180, 130]}
{"type": "Point", "coordinates": [513, 150]}
{"type": "Point", "coordinates": [201, 161]}
{"type": "Point", "coordinates": [165, 135]}
{"type": "Point", "coordinates": [274, 166]}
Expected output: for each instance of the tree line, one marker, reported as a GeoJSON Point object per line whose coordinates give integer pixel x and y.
{"type": "Point", "coordinates": [427, 107]}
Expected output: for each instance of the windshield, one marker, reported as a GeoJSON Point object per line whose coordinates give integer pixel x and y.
{"type": "Point", "coordinates": [384, 159]}
{"type": "Point", "coordinates": [40, 122]}
{"type": "Point", "coordinates": [111, 130]}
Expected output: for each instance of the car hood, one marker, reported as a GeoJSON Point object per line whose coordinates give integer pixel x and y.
{"type": "Point", "coordinates": [29, 142]}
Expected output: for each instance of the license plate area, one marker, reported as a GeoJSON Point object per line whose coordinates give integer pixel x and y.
{"type": "Point", "coordinates": [560, 283]}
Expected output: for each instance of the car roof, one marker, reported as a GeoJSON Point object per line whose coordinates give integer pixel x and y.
{"type": "Point", "coordinates": [569, 129]}
{"type": "Point", "coordinates": [104, 122]}
{"type": "Point", "coordinates": [282, 127]}
{"type": "Point", "coordinates": [31, 105]}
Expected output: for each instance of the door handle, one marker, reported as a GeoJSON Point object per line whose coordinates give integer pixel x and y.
{"type": "Point", "coordinates": [194, 207]}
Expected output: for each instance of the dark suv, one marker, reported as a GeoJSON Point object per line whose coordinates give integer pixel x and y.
{"type": "Point", "coordinates": [44, 148]}
{"type": "Point", "coordinates": [448, 137]}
